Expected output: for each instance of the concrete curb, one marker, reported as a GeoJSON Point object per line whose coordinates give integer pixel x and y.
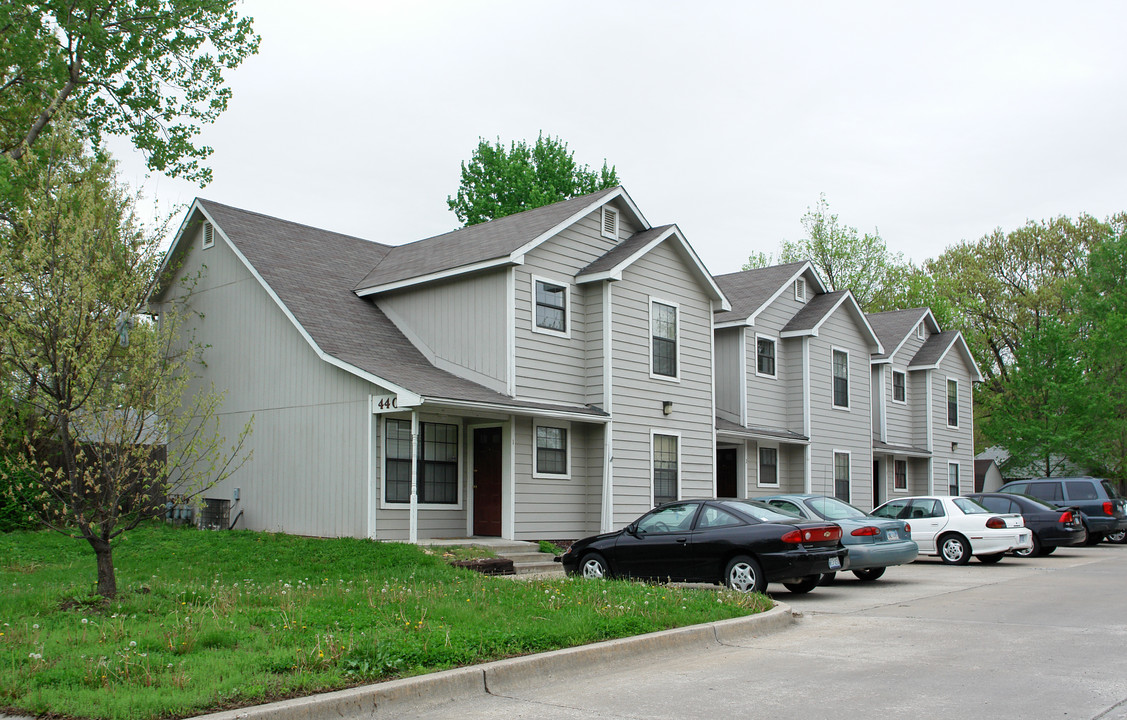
{"type": "Point", "coordinates": [502, 676]}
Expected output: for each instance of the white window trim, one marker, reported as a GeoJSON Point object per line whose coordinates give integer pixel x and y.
{"type": "Point", "coordinates": [905, 374]}
{"type": "Point", "coordinates": [947, 407]}
{"type": "Point", "coordinates": [774, 340]}
{"type": "Point", "coordinates": [759, 466]}
{"type": "Point", "coordinates": [680, 467]}
{"type": "Point", "coordinates": [613, 214]}
{"type": "Point", "coordinates": [566, 426]}
{"type": "Point", "coordinates": [833, 473]}
{"type": "Point", "coordinates": [800, 290]}
{"type": "Point", "coordinates": [907, 480]}
{"type": "Point", "coordinates": [650, 339]}
{"type": "Point", "coordinates": [443, 507]}
{"type": "Point", "coordinates": [567, 307]}
{"type": "Point", "coordinates": [920, 330]}
{"type": "Point", "coordinates": [207, 231]}
{"type": "Point", "coordinates": [848, 381]}
{"type": "Point", "coordinates": [958, 477]}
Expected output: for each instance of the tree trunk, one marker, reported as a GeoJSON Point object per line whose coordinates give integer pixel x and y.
{"type": "Point", "coordinates": [107, 580]}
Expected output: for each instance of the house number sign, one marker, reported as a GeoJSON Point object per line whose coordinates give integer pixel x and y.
{"type": "Point", "coordinates": [384, 403]}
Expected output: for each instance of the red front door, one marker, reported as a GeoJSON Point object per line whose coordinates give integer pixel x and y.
{"type": "Point", "coordinates": [487, 481]}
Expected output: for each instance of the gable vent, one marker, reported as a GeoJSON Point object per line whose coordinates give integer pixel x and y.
{"type": "Point", "coordinates": [208, 235]}
{"type": "Point", "coordinates": [610, 223]}
{"type": "Point", "coordinates": [800, 290]}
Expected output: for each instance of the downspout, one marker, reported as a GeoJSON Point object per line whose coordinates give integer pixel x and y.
{"type": "Point", "coordinates": [807, 480]}
{"type": "Point", "coordinates": [606, 520]}
{"type": "Point", "coordinates": [928, 428]}
{"type": "Point", "coordinates": [413, 532]}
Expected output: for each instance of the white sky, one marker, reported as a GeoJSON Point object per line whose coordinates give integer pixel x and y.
{"type": "Point", "coordinates": [933, 123]}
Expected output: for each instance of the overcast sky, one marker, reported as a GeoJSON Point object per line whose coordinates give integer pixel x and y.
{"type": "Point", "coordinates": [933, 123]}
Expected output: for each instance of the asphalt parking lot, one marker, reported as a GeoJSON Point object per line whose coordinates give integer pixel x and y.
{"type": "Point", "coordinates": [1026, 638]}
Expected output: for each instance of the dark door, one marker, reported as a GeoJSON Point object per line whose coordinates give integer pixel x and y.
{"type": "Point", "coordinates": [726, 473]}
{"type": "Point", "coordinates": [487, 481]}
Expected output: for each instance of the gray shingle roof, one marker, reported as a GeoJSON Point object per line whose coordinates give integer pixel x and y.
{"type": "Point", "coordinates": [893, 326]}
{"type": "Point", "coordinates": [623, 251]}
{"type": "Point", "coordinates": [748, 290]}
{"type": "Point", "coordinates": [493, 240]}
{"type": "Point", "coordinates": [727, 426]}
{"type": "Point", "coordinates": [933, 349]}
{"type": "Point", "coordinates": [901, 449]}
{"type": "Point", "coordinates": [312, 272]}
{"type": "Point", "coordinates": [814, 311]}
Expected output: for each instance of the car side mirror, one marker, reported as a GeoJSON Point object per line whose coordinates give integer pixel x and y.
{"type": "Point", "coordinates": [632, 529]}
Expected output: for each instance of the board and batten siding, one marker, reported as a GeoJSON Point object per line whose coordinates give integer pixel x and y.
{"type": "Point", "coordinates": [308, 471]}
{"type": "Point", "coordinates": [459, 325]}
{"type": "Point", "coordinates": [661, 275]}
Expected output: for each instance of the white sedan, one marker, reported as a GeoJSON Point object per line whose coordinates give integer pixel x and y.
{"type": "Point", "coordinates": [954, 528]}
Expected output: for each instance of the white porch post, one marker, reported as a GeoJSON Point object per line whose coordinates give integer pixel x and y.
{"type": "Point", "coordinates": [414, 530]}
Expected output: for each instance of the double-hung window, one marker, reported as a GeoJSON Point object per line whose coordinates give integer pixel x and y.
{"type": "Point", "coordinates": [899, 386]}
{"type": "Point", "coordinates": [765, 356]}
{"type": "Point", "coordinates": [551, 451]}
{"type": "Point", "coordinates": [437, 462]}
{"type": "Point", "coordinates": [551, 306]}
{"type": "Point", "coordinates": [769, 466]}
{"type": "Point", "coordinates": [663, 332]}
{"type": "Point", "coordinates": [900, 475]}
{"type": "Point", "coordinates": [952, 403]}
{"type": "Point", "coordinates": [841, 379]}
{"type": "Point", "coordinates": [841, 476]}
{"type": "Point", "coordinates": [665, 462]}
{"type": "Point", "coordinates": [952, 479]}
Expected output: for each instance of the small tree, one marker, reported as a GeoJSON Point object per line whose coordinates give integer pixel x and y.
{"type": "Point", "coordinates": [497, 182]}
{"type": "Point", "coordinates": [111, 428]}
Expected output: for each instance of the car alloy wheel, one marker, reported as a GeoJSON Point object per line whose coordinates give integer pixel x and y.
{"type": "Point", "coordinates": [1119, 537]}
{"type": "Point", "coordinates": [594, 567]}
{"type": "Point", "coordinates": [953, 550]}
{"type": "Point", "coordinates": [743, 574]}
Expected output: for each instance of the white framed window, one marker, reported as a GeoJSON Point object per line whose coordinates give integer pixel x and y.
{"type": "Point", "coordinates": [953, 478]}
{"type": "Point", "coordinates": [952, 403]}
{"type": "Point", "coordinates": [664, 340]}
{"type": "Point", "coordinates": [768, 466]}
{"type": "Point", "coordinates": [610, 223]}
{"type": "Point", "coordinates": [840, 375]}
{"type": "Point", "coordinates": [842, 484]}
{"type": "Point", "coordinates": [800, 290]}
{"type": "Point", "coordinates": [899, 386]}
{"type": "Point", "coordinates": [551, 307]}
{"type": "Point", "coordinates": [900, 475]}
{"type": "Point", "coordinates": [665, 466]}
{"type": "Point", "coordinates": [437, 460]}
{"type": "Point", "coordinates": [551, 451]}
{"type": "Point", "coordinates": [765, 356]}
{"type": "Point", "coordinates": [208, 235]}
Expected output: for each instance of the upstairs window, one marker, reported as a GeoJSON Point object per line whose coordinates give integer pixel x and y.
{"type": "Point", "coordinates": [800, 290]}
{"type": "Point", "coordinates": [899, 386]}
{"type": "Point", "coordinates": [765, 356]}
{"type": "Point", "coordinates": [841, 379]}
{"type": "Point", "coordinates": [952, 403]}
{"type": "Point", "coordinates": [663, 330]}
{"type": "Point", "coordinates": [551, 306]}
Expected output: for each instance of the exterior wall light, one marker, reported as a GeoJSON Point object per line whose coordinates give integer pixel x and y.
{"type": "Point", "coordinates": [667, 407]}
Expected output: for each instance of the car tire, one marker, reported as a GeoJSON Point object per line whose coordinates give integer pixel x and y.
{"type": "Point", "coordinates": [1093, 538]}
{"type": "Point", "coordinates": [991, 558]}
{"type": "Point", "coordinates": [954, 549]}
{"type": "Point", "coordinates": [828, 578]}
{"type": "Point", "coordinates": [593, 566]}
{"type": "Point", "coordinates": [805, 585]}
{"type": "Point", "coordinates": [869, 574]}
{"type": "Point", "coordinates": [1034, 551]}
{"type": "Point", "coordinates": [1048, 550]}
{"type": "Point", "coordinates": [1119, 537]}
{"type": "Point", "coordinates": [743, 574]}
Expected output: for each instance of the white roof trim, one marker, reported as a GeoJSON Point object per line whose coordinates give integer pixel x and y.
{"type": "Point", "coordinates": [926, 315]}
{"type": "Point", "coordinates": [409, 398]}
{"type": "Point", "coordinates": [967, 355]}
{"type": "Point", "coordinates": [807, 266]}
{"type": "Point", "coordinates": [503, 261]}
{"type": "Point", "coordinates": [619, 192]}
{"type": "Point", "coordinates": [857, 312]}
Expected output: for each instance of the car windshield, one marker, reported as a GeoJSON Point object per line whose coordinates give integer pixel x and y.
{"type": "Point", "coordinates": [829, 508]}
{"type": "Point", "coordinates": [968, 506]}
{"type": "Point", "coordinates": [1110, 490]}
{"type": "Point", "coordinates": [760, 511]}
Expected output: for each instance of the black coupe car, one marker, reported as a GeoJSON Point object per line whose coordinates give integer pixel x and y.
{"type": "Point", "coordinates": [743, 544]}
{"type": "Point", "coordinates": [1052, 527]}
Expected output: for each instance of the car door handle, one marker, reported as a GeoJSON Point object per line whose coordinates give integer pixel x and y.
{"type": "Point", "coordinates": [682, 540]}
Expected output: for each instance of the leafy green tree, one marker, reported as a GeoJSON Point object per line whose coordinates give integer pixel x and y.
{"type": "Point", "coordinates": [497, 182]}
{"type": "Point", "coordinates": [148, 69]}
{"type": "Point", "coordinates": [111, 429]}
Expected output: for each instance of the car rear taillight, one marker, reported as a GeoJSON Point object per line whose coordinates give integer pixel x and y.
{"type": "Point", "coordinates": [866, 531]}
{"type": "Point", "coordinates": [907, 528]}
{"type": "Point", "coordinates": [815, 534]}
{"type": "Point", "coordinates": [1066, 517]}
{"type": "Point", "coordinates": [996, 523]}
{"type": "Point", "coordinates": [1108, 510]}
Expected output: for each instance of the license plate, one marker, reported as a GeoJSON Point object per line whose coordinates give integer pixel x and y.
{"type": "Point", "coordinates": [893, 535]}
{"type": "Point", "coordinates": [835, 563]}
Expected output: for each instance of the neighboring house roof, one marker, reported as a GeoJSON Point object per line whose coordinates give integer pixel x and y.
{"type": "Point", "coordinates": [490, 244]}
{"type": "Point", "coordinates": [750, 291]}
{"type": "Point", "coordinates": [731, 429]}
{"type": "Point", "coordinates": [809, 320]}
{"type": "Point", "coordinates": [894, 327]}
{"type": "Point", "coordinates": [310, 274]}
{"type": "Point", "coordinates": [936, 348]}
{"type": "Point", "coordinates": [611, 265]}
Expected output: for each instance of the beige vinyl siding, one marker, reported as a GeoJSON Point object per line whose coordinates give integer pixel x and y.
{"type": "Point", "coordinates": [308, 473]}
{"type": "Point", "coordinates": [549, 508]}
{"type": "Point", "coordinates": [729, 345]}
{"type": "Point", "coordinates": [638, 398]}
{"type": "Point", "coordinates": [459, 325]}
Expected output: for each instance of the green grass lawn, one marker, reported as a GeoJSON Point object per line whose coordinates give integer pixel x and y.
{"type": "Point", "coordinates": [210, 620]}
